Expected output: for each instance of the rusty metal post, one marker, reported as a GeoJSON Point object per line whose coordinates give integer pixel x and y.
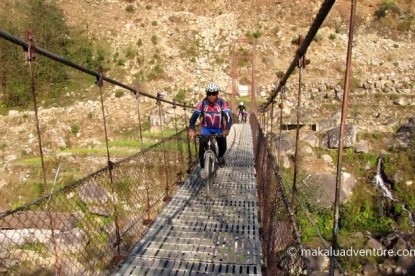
{"type": "Point", "coordinates": [271, 125]}
{"type": "Point", "coordinates": [341, 133]}
{"type": "Point", "coordinates": [140, 130]}
{"type": "Point", "coordinates": [167, 188]}
{"type": "Point", "coordinates": [100, 83]}
{"type": "Point", "coordinates": [189, 151]}
{"type": "Point", "coordinates": [233, 76]}
{"type": "Point", "coordinates": [31, 54]}
{"type": "Point", "coordinates": [301, 64]}
{"type": "Point", "coordinates": [147, 221]}
{"type": "Point", "coordinates": [281, 106]}
{"type": "Point", "coordinates": [253, 92]}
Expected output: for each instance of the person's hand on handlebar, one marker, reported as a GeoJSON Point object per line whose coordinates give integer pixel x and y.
{"type": "Point", "coordinates": [225, 132]}
{"type": "Point", "coordinates": [192, 133]}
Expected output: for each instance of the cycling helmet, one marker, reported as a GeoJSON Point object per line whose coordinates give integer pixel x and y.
{"type": "Point", "coordinates": [212, 88]}
{"type": "Point", "coordinates": [242, 103]}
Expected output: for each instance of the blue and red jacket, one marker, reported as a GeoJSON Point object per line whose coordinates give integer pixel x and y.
{"type": "Point", "coordinates": [216, 117]}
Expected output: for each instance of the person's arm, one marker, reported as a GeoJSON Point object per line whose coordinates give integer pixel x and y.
{"type": "Point", "coordinates": [227, 115]}
{"type": "Point", "coordinates": [193, 119]}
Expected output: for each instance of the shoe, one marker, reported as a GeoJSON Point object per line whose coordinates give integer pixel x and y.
{"type": "Point", "coordinates": [203, 173]}
{"type": "Point", "coordinates": [221, 161]}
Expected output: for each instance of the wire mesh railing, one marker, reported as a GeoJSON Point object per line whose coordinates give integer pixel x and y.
{"type": "Point", "coordinates": [280, 237]}
{"type": "Point", "coordinates": [89, 226]}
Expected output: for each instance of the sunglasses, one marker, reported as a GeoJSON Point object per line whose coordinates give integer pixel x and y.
{"type": "Point", "coordinates": [211, 93]}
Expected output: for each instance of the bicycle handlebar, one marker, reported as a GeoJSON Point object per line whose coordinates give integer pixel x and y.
{"type": "Point", "coordinates": [210, 135]}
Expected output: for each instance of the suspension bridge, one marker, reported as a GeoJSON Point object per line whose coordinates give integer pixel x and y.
{"type": "Point", "coordinates": [136, 217]}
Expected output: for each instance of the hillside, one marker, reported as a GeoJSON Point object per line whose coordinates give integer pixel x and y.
{"type": "Point", "coordinates": [179, 46]}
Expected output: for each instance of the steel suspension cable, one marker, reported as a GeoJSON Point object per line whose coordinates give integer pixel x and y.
{"type": "Point", "coordinates": [281, 105]}
{"type": "Point", "coordinates": [318, 21]}
{"type": "Point", "coordinates": [31, 52]}
{"type": "Point", "coordinates": [189, 151]}
{"type": "Point", "coordinates": [140, 130]}
{"type": "Point", "coordinates": [163, 144]}
{"type": "Point", "coordinates": [100, 83]}
{"type": "Point", "coordinates": [271, 127]}
{"type": "Point", "coordinates": [178, 142]}
{"type": "Point", "coordinates": [341, 132]}
{"type": "Point", "coordinates": [301, 65]}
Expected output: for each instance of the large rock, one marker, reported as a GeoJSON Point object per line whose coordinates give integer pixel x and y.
{"type": "Point", "coordinates": [331, 137]}
{"type": "Point", "coordinates": [321, 188]}
{"type": "Point", "coordinates": [406, 134]}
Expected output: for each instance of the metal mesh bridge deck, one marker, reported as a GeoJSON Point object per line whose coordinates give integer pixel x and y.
{"type": "Point", "coordinates": [207, 233]}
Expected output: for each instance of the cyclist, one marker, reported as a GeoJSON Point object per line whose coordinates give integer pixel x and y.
{"type": "Point", "coordinates": [216, 119]}
{"type": "Point", "coordinates": [242, 112]}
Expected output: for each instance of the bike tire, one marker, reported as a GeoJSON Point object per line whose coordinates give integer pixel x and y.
{"type": "Point", "coordinates": [210, 169]}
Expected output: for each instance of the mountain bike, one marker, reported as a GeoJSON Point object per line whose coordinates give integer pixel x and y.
{"type": "Point", "coordinates": [210, 158]}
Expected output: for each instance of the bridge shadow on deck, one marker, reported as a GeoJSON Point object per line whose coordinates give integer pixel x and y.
{"type": "Point", "coordinates": [213, 233]}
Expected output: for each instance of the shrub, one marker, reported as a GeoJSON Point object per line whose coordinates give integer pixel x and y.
{"type": "Point", "coordinates": [154, 39]}
{"type": "Point", "coordinates": [129, 8]}
{"type": "Point", "coordinates": [119, 93]}
{"type": "Point", "coordinates": [385, 7]}
{"type": "Point", "coordinates": [75, 128]}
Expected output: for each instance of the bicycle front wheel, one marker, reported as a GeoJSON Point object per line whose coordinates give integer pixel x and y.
{"type": "Point", "coordinates": [209, 163]}
{"type": "Point", "coordinates": [210, 168]}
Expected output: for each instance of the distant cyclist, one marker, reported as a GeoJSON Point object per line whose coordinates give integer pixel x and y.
{"type": "Point", "coordinates": [216, 119]}
{"type": "Point", "coordinates": [242, 113]}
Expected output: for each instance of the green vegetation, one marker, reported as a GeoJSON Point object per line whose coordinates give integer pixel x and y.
{"type": "Point", "coordinates": [75, 129]}
{"type": "Point", "coordinates": [130, 9]}
{"type": "Point", "coordinates": [365, 211]}
{"type": "Point", "coordinates": [253, 35]}
{"type": "Point", "coordinates": [50, 32]}
{"type": "Point", "coordinates": [154, 39]}
{"type": "Point", "coordinates": [385, 7]}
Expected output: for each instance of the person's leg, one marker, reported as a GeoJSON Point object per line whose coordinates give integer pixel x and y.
{"type": "Point", "coordinates": [221, 146]}
{"type": "Point", "coordinates": [222, 150]}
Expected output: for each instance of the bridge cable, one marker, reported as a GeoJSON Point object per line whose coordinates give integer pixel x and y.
{"type": "Point", "coordinates": [281, 105]}
{"type": "Point", "coordinates": [167, 197]}
{"type": "Point", "coordinates": [178, 142]}
{"type": "Point", "coordinates": [100, 83]}
{"type": "Point", "coordinates": [301, 65]}
{"type": "Point", "coordinates": [140, 130]}
{"type": "Point", "coordinates": [271, 119]}
{"type": "Point", "coordinates": [342, 130]}
{"type": "Point", "coordinates": [189, 151]}
{"type": "Point", "coordinates": [322, 14]}
{"type": "Point", "coordinates": [96, 74]}
{"type": "Point", "coordinates": [30, 56]}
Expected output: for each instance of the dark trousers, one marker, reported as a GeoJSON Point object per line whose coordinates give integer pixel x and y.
{"type": "Point", "coordinates": [203, 145]}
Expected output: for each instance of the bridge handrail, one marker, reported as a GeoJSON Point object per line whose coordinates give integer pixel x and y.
{"type": "Point", "coordinates": [301, 51]}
